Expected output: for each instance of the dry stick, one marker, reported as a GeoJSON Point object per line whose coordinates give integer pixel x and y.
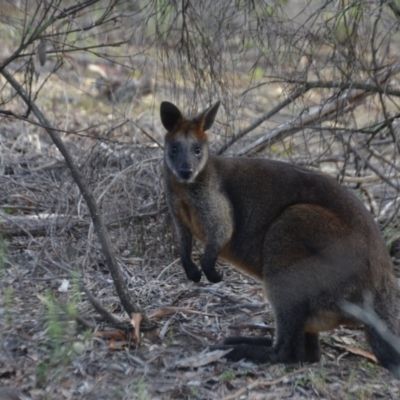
{"type": "Point", "coordinates": [84, 323]}
{"type": "Point", "coordinates": [126, 220]}
{"type": "Point", "coordinates": [263, 382]}
{"type": "Point", "coordinates": [249, 306]}
{"type": "Point", "coordinates": [99, 308]}
{"type": "Point", "coordinates": [260, 120]}
{"type": "Point", "coordinates": [332, 107]}
{"type": "Point", "coordinates": [97, 219]}
{"type": "Point", "coordinates": [374, 169]}
{"type": "Point", "coordinates": [31, 227]}
{"type": "Point", "coordinates": [364, 86]}
{"type": "Point", "coordinates": [382, 158]}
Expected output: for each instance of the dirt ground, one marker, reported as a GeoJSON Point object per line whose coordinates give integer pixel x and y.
{"type": "Point", "coordinates": [54, 344]}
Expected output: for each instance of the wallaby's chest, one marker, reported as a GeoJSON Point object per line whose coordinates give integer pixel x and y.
{"type": "Point", "coordinates": [188, 213]}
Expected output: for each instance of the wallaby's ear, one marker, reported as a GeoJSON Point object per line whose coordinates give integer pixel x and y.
{"type": "Point", "coordinates": [170, 115]}
{"type": "Point", "coordinates": [207, 117]}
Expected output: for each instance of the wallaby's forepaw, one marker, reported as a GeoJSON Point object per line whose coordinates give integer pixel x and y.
{"type": "Point", "coordinates": [213, 276]}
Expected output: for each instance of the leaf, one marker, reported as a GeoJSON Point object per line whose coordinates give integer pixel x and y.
{"type": "Point", "coordinates": [113, 345]}
{"type": "Point", "coordinates": [42, 28]}
{"type": "Point", "coordinates": [128, 337]}
{"type": "Point", "coordinates": [348, 340]}
{"type": "Point", "coordinates": [116, 334]}
{"type": "Point", "coordinates": [41, 52]}
{"type": "Point", "coordinates": [359, 352]}
{"type": "Point", "coordinates": [136, 318]}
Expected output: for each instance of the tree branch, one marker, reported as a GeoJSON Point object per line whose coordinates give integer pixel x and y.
{"type": "Point", "coordinates": [343, 103]}
{"type": "Point", "coordinates": [260, 120]}
{"type": "Point", "coordinates": [366, 87]}
{"type": "Point", "coordinates": [374, 169]}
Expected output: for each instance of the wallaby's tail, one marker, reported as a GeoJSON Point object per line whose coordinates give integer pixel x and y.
{"type": "Point", "coordinates": [382, 330]}
{"type": "Point", "coordinates": [387, 352]}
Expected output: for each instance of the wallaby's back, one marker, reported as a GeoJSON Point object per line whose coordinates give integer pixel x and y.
{"type": "Point", "coordinates": [308, 239]}
{"type": "Point", "coordinates": [261, 190]}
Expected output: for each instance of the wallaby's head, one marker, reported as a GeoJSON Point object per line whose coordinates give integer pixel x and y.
{"type": "Point", "coordinates": [186, 147]}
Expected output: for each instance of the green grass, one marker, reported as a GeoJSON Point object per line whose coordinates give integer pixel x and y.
{"type": "Point", "coordinates": [227, 376]}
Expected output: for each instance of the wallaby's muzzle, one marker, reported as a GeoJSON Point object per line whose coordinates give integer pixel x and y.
{"type": "Point", "coordinates": [185, 172]}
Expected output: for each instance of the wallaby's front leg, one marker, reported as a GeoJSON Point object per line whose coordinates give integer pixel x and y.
{"type": "Point", "coordinates": [208, 263]}
{"type": "Point", "coordinates": [217, 237]}
{"type": "Point", "coordinates": [185, 251]}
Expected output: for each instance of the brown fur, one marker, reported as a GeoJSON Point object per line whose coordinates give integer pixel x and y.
{"type": "Point", "coordinates": [308, 239]}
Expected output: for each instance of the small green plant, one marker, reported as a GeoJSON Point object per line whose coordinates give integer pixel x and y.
{"type": "Point", "coordinates": [318, 380]}
{"type": "Point", "coordinates": [227, 376]}
{"type": "Point", "coordinates": [369, 367]}
{"type": "Point", "coordinates": [2, 256]}
{"type": "Point", "coordinates": [41, 374]}
{"type": "Point", "coordinates": [194, 392]}
{"type": "Point", "coordinates": [258, 73]}
{"type": "Point", "coordinates": [135, 250]}
{"type": "Point", "coordinates": [363, 393]}
{"type": "Point", "coordinates": [8, 302]}
{"type": "Point", "coordinates": [59, 320]}
{"type": "Point", "coordinates": [60, 332]}
{"type": "Point", "coordinates": [391, 236]}
{"type": "Point", "coordinates": [55, 326]}
{"type": "Point", "coordinates": [302, 381]}
{"type": "Point", "coordinates": [352, 376]}
{"type": "Point", "coordinates": [140, 390]}
{"type": "Point", "coordinates": [170, 336]}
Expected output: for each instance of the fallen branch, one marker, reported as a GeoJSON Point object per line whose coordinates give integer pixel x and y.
{"type": "Point", "coordinates": [42, 224]}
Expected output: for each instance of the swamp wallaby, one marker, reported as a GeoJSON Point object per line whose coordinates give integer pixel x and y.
{"type": "Point", "coordinates": [309, 240]}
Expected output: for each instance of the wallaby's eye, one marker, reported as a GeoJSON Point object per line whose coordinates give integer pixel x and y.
{"type": "Point", "coordinates": [174, 150]}
{"type": "Point", "coordinates": [197, 150]}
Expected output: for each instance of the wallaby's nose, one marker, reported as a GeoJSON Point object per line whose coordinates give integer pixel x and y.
{"type": "Point", "coordinates": [185, 172]}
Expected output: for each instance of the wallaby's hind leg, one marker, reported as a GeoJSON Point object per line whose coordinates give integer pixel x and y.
{"type": "Point", "coordinates": [290, 344]}
{"type": "Point", "coordinates": [298, 264]}
{"type": "Point", "coordinates": [312, 351]}
{"type": "Point", "coordinates": [312, 347]}
{"type": "Point", "coordinates": [256, 341]}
